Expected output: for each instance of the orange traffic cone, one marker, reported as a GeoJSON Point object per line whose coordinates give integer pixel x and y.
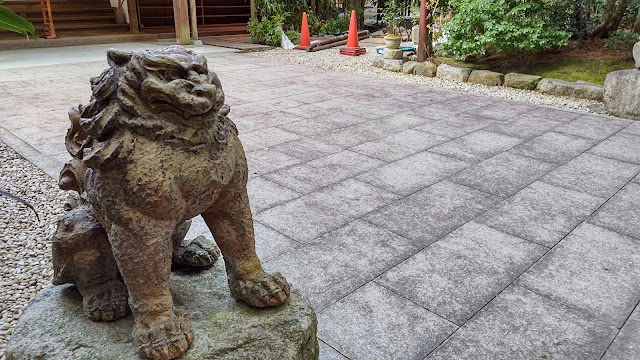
{"type": "Point", "coordinates": [305, 39]}
{"type": "Point", "coordinates": [353, 49]}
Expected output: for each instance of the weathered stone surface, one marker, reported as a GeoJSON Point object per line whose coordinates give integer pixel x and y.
{"type": "Point", "coordinates": [52, 325]}
{"type": "Point", "coordinates": [636, 54]}
{"type": "Point", "coordinates": [415, 34]}
{"type": "Point", "coordinates": [167, 103]}
{"type": "Point", "coordinates": [408, 67]}
{"type": "Point", "coordinates": [521, 81]}
{"type": "Point", "coordinates": [393, 54]}
{"type": "Point", "coordinates": [579, 89]}
{"type": "Point", "coordinates": [378, 62]}
{"type": "Point", "coordinates": [486, 77]}
{"type": "Point", "coordinates": [426, 68]}
{"type": "Point", "coordinates": [453, 73]}
{"type": "Point", "coordinates": [393, 65]}
{"type": "Point", "coordinates": [622, 93]}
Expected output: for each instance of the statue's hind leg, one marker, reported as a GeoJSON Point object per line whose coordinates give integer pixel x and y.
{"type": "Point", "coordinates": [231, 224]}
{"type": "Point", "coordinates": [82, 256]}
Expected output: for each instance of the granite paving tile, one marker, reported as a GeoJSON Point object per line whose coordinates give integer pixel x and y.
{"type": "Point", "coordinates": [456, 126]}
{"type": "Point", "coordinates": [324, 171]}
{"type": "Point", "coordinates": [307, 149]}
{"type": "Point", "coordinates": [413, 173]}
{"type": "Point", "coordinates": [504, 174]}
{"type": "Point", "coordinates": [623, 147]}
{"type": "Point", "coordinates": [328, 353]}
{"type": "Point", "coordinates": [307, 217]}
{"type": "Point", "coordinates": [542, 213]}
{"type": "Point", "coordinates": [503, 109]}
{"type": "Point", "coordinates": [594, 270]}
{"type": "Point", "coordinates": [524, 127]}
{"type": "Point", "coordinates": [459, 274]}
{"type": "Point", "coordinates": [339, 262]}
{"type": "Point", "coordinates": [627, 344]}
{"type": "Point", "coordinates": [554, 147]}
{"type": "Point", "coordinates": [271, 244]}
{"type": "Point", "coordinates": [632, 129]}
{"type": "Point", "coordinates": [264, 194]}
{"type": "Point", "coordinates": [268, 160]}
{"type": "Point", "coordinates": [594, 175]}
{"type": "Point", "coordinates": [520, 324]}
{"type": "Point", "coordinates": [261, 121]}
{"type": "Point", "coordinates": [622, 212]}
{"type": "Point", "coordinates": [554, 114]}
{"type": "Point", "coordinates": [264, 138]}
{"type": "Point", "coordinates": [371, 130]}
{"type": "Point", "coordinates": [400, 145]}
{"type": "Point", "coordinates": [433, 212]}
{"type": "Point", "coordinates": [374, 323]}
{"type": "Point", "coordinates": [593, 127]}
{"type": "Point", "coordinates": [476, 146]}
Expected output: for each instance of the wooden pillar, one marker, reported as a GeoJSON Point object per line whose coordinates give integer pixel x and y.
{"type": "Point", "coordinates": [181, 18]}
{"type": "Point", "coordinates": [134, 21]}
{"type": "Point", "coordinates": [422, 34]}
{"type": "Point", "coordinates": [194, 20]}
{"type": "Point", "coordinates": [254, 12]}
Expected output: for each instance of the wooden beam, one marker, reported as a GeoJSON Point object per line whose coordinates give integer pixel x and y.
{"type": "Point", "coordinates": [194, 20]}
{"type": "Point", "coordinates": [181, 19]}
{"type": "Point", "coordinates": [254, 11]}
{"type": "Point", "coordinates": [134, 21]}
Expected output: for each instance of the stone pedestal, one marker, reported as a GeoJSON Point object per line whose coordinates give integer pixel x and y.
{"type": "Point", "coordinates": [53, 326]}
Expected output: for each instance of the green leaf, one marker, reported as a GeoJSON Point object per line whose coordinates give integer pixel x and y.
{"type": "Point", "coordinates": [11, 21]}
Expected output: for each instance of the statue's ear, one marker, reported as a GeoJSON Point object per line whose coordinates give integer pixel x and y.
{"type": "Point", "coordinates": [118, 57]}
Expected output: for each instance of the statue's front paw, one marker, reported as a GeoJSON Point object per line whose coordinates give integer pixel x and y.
{"type": "Point", "coordinates": [261, 291]}
{"type": "Point", "coordinates": [164, 339]}
{"type": "Point", "coordinates": [200, 252]}
{"type": "Point", "coordinates": [105, 302]}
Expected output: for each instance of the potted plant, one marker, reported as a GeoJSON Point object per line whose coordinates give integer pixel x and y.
{"type": "Point", "coordinates": [393, 11]}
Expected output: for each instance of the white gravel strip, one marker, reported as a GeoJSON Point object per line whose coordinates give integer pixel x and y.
{"type": "Point", "coordinates": [331, 59]}
{"type": "Point", "coordinates": [25, 245]}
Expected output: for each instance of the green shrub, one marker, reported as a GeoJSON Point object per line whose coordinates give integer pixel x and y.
{"type": "Point", "coordinates": [621, 40]}
{"type": "Point", "coordinates": [294, 36]}
{"type": "Point", "coordinates": [267, 30]}
{"type": "Point", "coordinates": [314, 23]}
{"type": "Point", "coordinates": [481, 27]}
{"type": "Point", "coordinates": [335, 26]}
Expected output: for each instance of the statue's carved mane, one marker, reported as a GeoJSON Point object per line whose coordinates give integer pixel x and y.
{"type": "Point", "coordinates": [117, 111]}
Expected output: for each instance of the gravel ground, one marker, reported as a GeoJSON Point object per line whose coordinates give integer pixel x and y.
{"type": "Point", "coordinates": [331, 59]}
{"type": "Point", "coordinates": [25, 246]}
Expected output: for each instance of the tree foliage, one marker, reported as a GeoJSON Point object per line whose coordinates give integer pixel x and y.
{"type": "Point", "coordinates": [11, 21]}
{"type": "Point", "coordinates": [481, 27]}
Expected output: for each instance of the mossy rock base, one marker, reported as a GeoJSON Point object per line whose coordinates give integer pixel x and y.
{"type": "Point", "coordinates": [53, 326]}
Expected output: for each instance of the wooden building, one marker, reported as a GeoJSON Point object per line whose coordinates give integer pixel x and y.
{"type": "Point", "coordinates": [85, 18]}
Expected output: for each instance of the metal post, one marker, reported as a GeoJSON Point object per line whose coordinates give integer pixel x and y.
{"type": "Point", "coordinates": [422, 35]}
{"type": "Point", "coordinates": [194, 20]}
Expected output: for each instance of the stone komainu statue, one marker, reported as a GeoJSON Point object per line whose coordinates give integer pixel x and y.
{"type": "Point", "coordinates": [152, 149]}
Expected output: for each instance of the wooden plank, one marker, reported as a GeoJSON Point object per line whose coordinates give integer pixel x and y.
{"type": "Point", "coordinates": [181, 19]}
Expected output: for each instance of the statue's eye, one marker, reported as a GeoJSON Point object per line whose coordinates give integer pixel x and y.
{"type": "Point", "coordinates": [171, 74]}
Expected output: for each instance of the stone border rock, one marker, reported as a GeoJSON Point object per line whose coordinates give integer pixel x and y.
{"type": "Point", "coordinates": [579, 89]}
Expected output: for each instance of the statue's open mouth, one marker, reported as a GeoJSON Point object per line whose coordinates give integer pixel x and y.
{"type": "Point", "coordinates": [190, 105]}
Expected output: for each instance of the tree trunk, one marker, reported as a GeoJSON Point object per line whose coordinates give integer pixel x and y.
{"type": "Point", "coordinates": [617, 18]}
{"type": "Point", "coordinates": [600, 30]}
{"type": "Point", "coordinates": [636, 27]}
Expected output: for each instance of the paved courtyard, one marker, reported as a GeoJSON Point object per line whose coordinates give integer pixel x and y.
{"type": "Point", "coordinates": [421, 223]}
